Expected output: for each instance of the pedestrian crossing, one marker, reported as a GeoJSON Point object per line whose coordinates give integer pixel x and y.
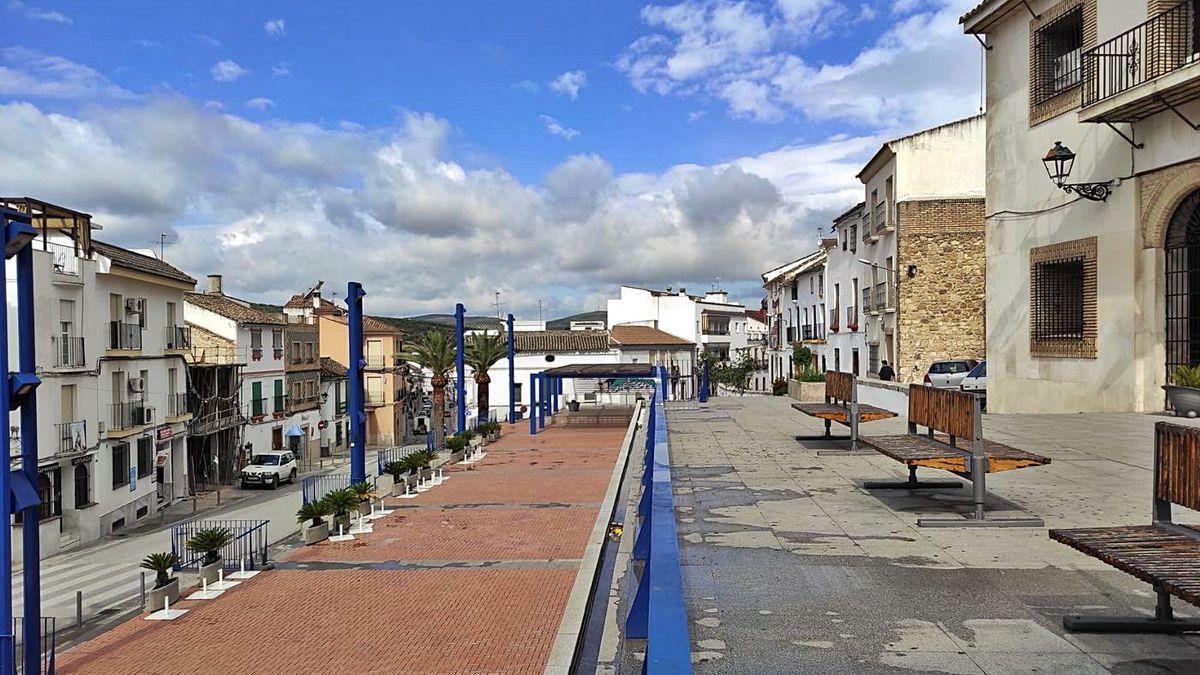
{"type": "Point", "coordinates": [104, 582]}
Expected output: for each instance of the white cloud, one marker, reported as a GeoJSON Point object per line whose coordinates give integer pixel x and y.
{"type": "Point", "coordinates": [30, 12]}
{"type": "Point", "coordinates": [274, 27]}
{"type": "Point", "coordinates": [749, 54]}
{"type": "Point", "coordinates": [281, 69]}
{"type": "Point", "coordinates": [208, 40]}
{"type": "Point", "coordinates": [260, 103]}
{"type": "Point", "coordinates": [146, 43]}
{"type": "Point", "coordinates": [555, 127]}
{"type": "Point", "coordinates": [569, 83]}
{"type": "Point", "coordinates": [526, 86]}
{"type": "Point", "coordinates": [29, 73]}
{"type": "Point", "coordinates": [227, 71]}
{"type": "Point", "coordinates": [277, 205]}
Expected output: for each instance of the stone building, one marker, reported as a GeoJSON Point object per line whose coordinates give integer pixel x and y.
{"type": "Point", "coordinates": [1091, 255]}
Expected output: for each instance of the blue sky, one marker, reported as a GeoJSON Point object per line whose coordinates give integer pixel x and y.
{"type": "Point", "coordinates": [521, 146]}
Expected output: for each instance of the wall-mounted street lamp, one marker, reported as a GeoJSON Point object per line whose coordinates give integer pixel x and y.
{"type": "Point", "coordinates": [912, 269]}
{"type": "Point", "coordinates": [1059, 162]}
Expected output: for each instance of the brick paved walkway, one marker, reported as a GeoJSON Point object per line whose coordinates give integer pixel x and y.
{"type": "Point", "coordinates": [470, 577]}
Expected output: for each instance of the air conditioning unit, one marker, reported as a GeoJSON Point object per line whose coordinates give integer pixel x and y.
{"type": "Point", "coordinates": [136, 384]}
{"type": "Point", "coordinates": [100, 427]}
{"type": "Point", "coordinates": [135, 305]}
{"type": "Point", "coordinates": [148, 415]}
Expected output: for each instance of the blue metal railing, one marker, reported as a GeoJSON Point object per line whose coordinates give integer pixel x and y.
{"type": "Point", "coordinates": [658, 613]}
{"type": "Point", "coordinates": [314, 488]}
{"type": "Point", "coordinates": [383, 457]}
{"type": "Point", "coordinates": [249, 540]}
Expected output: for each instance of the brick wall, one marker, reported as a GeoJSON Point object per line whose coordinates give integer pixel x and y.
{"type": "Point", "coordinates": [941, 308]}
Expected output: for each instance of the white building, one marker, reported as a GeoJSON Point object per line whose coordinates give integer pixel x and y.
{"type": "Point", "coordinates": [1090, 304]}
{"type": "Point", "coordinates": [795, 310]}
{"type": "Point", "coordinates": [711, 321]}
{"type": "Point", "coordinates": [112, 407]}
{"type": "Point", "coordinates": [757, 349]}
{"type": "Point", "coordinates": [845, 338]}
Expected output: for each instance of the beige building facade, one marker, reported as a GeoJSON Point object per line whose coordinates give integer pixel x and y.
{"type": "Point", "coordinates": [1089, 302]}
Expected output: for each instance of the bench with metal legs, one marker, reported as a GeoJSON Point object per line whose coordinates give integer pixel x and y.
{"type": "Point", "coordinates": [841, 405]}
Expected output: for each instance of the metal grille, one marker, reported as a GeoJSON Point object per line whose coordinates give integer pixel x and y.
{"type": "Point", "coordinates": [1058, 300]}
{"type": "Point", "coordinates": [1183, 285]}
{"type": "Point", "coordinates": [1057, 50]}
{"type": "Point", "coordinates": [1165, 43]}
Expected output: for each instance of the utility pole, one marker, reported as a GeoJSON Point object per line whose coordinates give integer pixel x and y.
{"type": "Point", "coordinates": [540, 317]}
{"type": "Point", "coordinates": [496, 304]}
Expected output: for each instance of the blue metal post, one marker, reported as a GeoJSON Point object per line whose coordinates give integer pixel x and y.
{"type": "Point", "coordinates": [543, 391]}
{"type": "Point", "coordinates": [533, 380]}
{"type": "Point", "coordinates": [358, 410]}
{"type": "Point", "coordinates": [555, 390]}
{"type": "Point", "coordinates": [6, 623]}
{"type": "Point", "coordinates": [460, 384]}
{"type": "Point", "coordinates": [31, 629]}
{"type": "Point", "coordinates": [704, 383]}
{"type": "Point", "coordinates": [512, 374]}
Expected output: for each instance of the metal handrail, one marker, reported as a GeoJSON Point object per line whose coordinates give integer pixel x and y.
{"type": "Point", "coordinates": [1151, 49]}
{"type": "Point", "coordinates": [249, 538]}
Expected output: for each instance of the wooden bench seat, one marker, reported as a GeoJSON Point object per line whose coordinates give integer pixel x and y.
{"type": "Point", "coordinates": [936, 453]}
{"type": "Point", "coordinates": [841, 415]}
{"type": "Point", "coordinates": [1163, 553]}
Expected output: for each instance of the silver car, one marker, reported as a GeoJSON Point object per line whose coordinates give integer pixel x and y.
{"type": "Point", "coordinates": [949, 374]}
{"type": "Point", "coordinates": [976, 383]}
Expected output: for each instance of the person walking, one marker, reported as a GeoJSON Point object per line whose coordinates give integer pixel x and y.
{"type": "Point", "coordinates": [886, 373]}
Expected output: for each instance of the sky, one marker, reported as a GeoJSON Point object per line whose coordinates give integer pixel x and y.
{"type": "Point", "coordinates": [439, 152]}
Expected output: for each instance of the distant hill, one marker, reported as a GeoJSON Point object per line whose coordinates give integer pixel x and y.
{"type": "Point", "coordinates": [447, 320]}
{"type": "Point", "coordinates": [565, 322]}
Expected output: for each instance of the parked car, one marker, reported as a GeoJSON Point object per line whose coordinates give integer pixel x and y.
{"type": "Point", "coordinates": [976, 383]}
{"type": "Point", "coordinates": [270, 468]}
{"type": "Point", "coordinates": [949, 374]}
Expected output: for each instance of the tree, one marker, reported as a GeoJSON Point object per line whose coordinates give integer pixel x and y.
{"type": "Point", "coordinates": [485, 350]}
{"type": "Point", "coordinates": [436, 352]}
{"type": "Point", "coordinates": [734, 374]}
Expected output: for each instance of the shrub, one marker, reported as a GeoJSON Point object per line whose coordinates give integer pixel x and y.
{"type": "Point", "coordinates": [456, 443]}
{"type": "Point", "coordinates": [779, 387]}
{"type": "Point", "coordinates": [162, 564]}
{"type": "Point", "coordinates": [312, 511]}
{"type": "Point", "coordinates": [340, 502]}
{"type": "Point", "coordinates": [364, 491]}
{"type": "Point", "coordinates": [210, 542]}
{"type": "Point", "coordinates": [1186, 376]}
{"type": "Point", "coordinates": [812, 376]}
{"type": "Point", "coordinates": [397, 468]}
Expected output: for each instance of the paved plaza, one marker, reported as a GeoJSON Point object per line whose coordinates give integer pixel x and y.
{"type": "Point", "coordinates": [473, 576]}
{"type": "Point", "coordinates": [791, 567]}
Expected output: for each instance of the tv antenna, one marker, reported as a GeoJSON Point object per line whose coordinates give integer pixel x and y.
{"type": "Point", "coordinates": [497, 305]}
{"type": "Point", "coordinates": [162, 245]}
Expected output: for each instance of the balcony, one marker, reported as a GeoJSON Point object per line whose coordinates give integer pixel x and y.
{"type": "Point", "coordinates": [304, 401]}
{"type": "Point", "coordinates": [341, 408]}
{"type": "Point", "coordinates": [884, 302]}
{"type": "Point", "coordinates": [179, 337]}
{"type": "Point", "coordinates": [72, 437]}
{"type": "Point", "coordinates": [68, 351]}
{"type": "Point", "coordinates": [376, 361]}
{"type": "Point", "coordinates": [66, 259]}
{"type": "Point", "coordinates": [124, 336]}
{"type": "Point", "coordinates": [215, 416]}
{"type": "Point", "coordinates": [375, 398]}
{"type": "Point", "coordinates": [177, 405]}
{"type": "Point", "coordinates": [258, 409]}
{"type": "Point", "coordinates": [866, 302]}
{"type": "Point", "coordinates": [791, 334]}
{"type": "Point", "coordinates": [852, 318]}
{"type": "Point", "coordinates": [127, 415]}
{"type": "Point", "coordinates": [1149, 68]}
{"type": "Point", "coordinates": [279, 406]}
{"type": "Point", "coordinates": [813, 332]}
{"type": "Point", "coordinates": [834, 319]}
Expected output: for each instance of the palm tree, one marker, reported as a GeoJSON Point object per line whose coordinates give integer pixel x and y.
{"type": "Point", "coordinates": [437, 353]}
{"type": "Point", "coordinates": [485, 350]}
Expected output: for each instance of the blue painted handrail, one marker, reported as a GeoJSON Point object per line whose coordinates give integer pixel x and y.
{"type": "Point", "coordinates": [658, 613]}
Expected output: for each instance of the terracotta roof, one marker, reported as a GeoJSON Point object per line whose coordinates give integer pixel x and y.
{"type": "Point", "coordinates": [547, 341]}
{"type": "Point", "coordinates": [123, 257]}
{"type": "Point", "coordinates": [330, 368]}
{"type": "Point", "coordinates": [626, 335]}
{"type": "Point", "coordinates": [232, 308]}
{"type": "Point", "coordinates": [371, 325]}
{"type": "Point", "coordinates": [302, 302]}
{"type": "Point", "coordinates": [759, 315]}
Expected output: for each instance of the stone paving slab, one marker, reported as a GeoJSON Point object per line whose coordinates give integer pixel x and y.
{"type": "Point", "coordinates": [790, 566]}
{"type": "Point", "coordinates": [473, 576]}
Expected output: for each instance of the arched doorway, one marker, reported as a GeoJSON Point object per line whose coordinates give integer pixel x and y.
{"type": "Point", "coordinates": [1182, 247]}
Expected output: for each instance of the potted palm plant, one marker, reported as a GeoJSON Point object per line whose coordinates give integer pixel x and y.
{"type": "Point", "coordinates": [365, 493]}
{"type": "Point", "coordinates": [485, 351]}
{"type": "Point", "coordinates": [399, 470]}
{"type": "Point", "coordinates": [210, 541]}
{"type": "Point", "coordinates": [166, 585]}
{"type": "Point", "coordinates": [1183, 394]}
{"type": "Point", "coordinates": [341, 503]}
{"type": "Point", "coordinates": [436, 353]}
{"type": "Point", "coordinates": [456, 445]}
{"type": "Point", "coordinates": [314, 514]}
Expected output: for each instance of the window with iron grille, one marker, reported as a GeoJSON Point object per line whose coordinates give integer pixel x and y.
{"type": "Point", "coordinates": [1057, 55]}
{"type": "Point", "coordinates": [1062, 285]}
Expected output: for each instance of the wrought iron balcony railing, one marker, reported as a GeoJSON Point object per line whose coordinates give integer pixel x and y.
{"type": "Point", "coordinates": [68, 351]}
{"type": "Point", "coordinates": [72, 436]}
{"type": "Point", "coordinates": [179, 337]}
{"type": "Point", "coordinates": [124, 335]}
{"type": "Point", "coordinates": [1161, 45]}
{"type": "Point", "coordinates": [128, 415]}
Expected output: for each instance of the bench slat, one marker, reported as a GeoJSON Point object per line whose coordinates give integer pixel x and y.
{"type": "Point", "coordinates": [931, 453]}
{"type": "Point", "coordinates": [836, 413]}
{"type": "Point", "coordinates": [1161, 556]}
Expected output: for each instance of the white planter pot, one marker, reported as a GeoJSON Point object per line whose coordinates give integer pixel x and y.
{"type": "Point", "coordinates": [316, 533]}
{"type": "Point", "coordinates": [154, 600]}
{"type": "Point", "coordinates": [209, 572]}
{"type": "Point", "coordinates": [364, 508]}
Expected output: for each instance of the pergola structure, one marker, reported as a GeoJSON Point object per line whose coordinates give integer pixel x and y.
{"type": "Point", "coordinates": [545, 387]}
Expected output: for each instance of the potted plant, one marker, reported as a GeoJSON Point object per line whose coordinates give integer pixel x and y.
{"type": "Point", "coordinates": [314, 514]}
{"type": "Point", "coordinates": [1183, 394]}
{"type": "Point", "coordinates": [210, 541]}
{"type": "Point", "coordinates": [340, 503]}
{"type": "Point", "coordinates": [423, 458]}
{"type": "Point", "coordinates": [472, 438]}
{"type": "Point", "coordinates": [399, 470]}
{"type": "Point", "coordinates": [573, 405]}
{"type": "Point", "coordinates": [491, 431]}
{"type": "Point", "coordinates": [365, 492]}
{"type": "Point", "coordinates": [166, 585]}
{"type": "Point", "coordinates": [456, 445]}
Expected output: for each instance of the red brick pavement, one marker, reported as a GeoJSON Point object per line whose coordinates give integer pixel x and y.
{"type": "Point", "coordinates": [376, 621]}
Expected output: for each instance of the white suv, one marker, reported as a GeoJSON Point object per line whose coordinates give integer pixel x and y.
{"type": "Point", "coordinates": [270, 468]}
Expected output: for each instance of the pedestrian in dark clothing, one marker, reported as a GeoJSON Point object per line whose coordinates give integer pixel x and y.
{"type": "Point", "coordinates": [886, 373]}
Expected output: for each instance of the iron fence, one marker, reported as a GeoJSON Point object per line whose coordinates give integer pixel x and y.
{"type": "Point", "coordinates": [314, 488]}
{"type": "Point", "coordinates": [68, 351]}
{"type": "Point", "coordinates": [384, 457]}
{"type": "Point", "coordinates": [124, 335]}
{"type": "Point", "coordinates": [45, 657]}
{"type": "Point", "coordinates": [249, 540]}
{"type": "Point", "coordinates": [179, 337]}
{"type": "Point", "coordinates": [128, 415]}
{"type": "Point", "coordinates": [1165, 43]}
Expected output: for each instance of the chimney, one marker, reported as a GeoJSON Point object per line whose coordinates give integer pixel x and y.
{"type": "Point", "coordinates": [682, 290]}
{"type": "Point", "coordinates": [214, 284]}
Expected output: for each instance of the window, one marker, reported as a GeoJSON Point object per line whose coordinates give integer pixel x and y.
{"type": "Point", "coordinates": [517, 392]}
{"type": "Point", "coordinates": [120, 465]}
{"type": "Point", "coordinates": [277, 342]}
{"type": "Point", "coordinates": [1062, 287]}
{"type": "Point", "coordinates": [145, 458]}
{"type": "Point", "coordinates": [1056, 59]}
{"type": "Point", "coordinates": [872, 358]}
{"type": "Point", "coordinates": [256, 399]}
{"type": "Point", "coordinates": [83, 485]}
{"type": "Point", "coordinates": [255, 344]}
{"type": "Point", "coordinates": [142, 314]}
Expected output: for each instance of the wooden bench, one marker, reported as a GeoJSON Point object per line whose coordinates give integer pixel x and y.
{"type": "Point", "coordinates": [952, 441]}
{"type": "Point", "coordinates": [1164, 554]}
{"type": "Point", "coordinates": [841, 405]}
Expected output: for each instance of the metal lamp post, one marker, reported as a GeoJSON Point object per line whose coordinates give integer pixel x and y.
{"type": "Point", "coordinates": [512, 374]}
{"type": "Point", "coordinates": [358, 410]}
{"type": "Point", "coordinates": [460, 385]}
